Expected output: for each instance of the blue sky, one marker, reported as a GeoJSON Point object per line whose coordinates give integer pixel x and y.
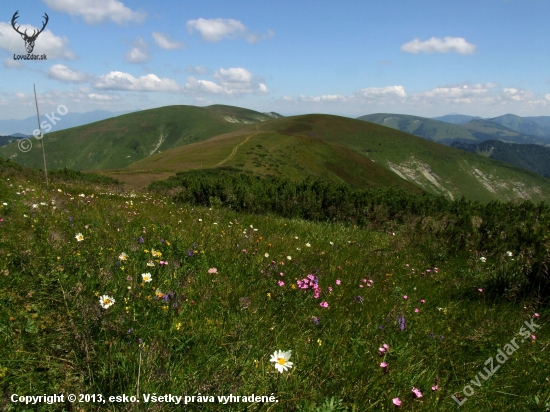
{"type": "Point", "coordinates": [351, 58]}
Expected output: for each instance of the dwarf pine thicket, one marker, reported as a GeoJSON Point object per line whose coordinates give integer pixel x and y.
{"type": "Point", "coordinates": [219, 285]}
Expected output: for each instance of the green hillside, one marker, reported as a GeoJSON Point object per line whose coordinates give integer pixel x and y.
{"type": "Point", "coordinates": [340, 149]}
{"type": "Point", "coordinates": [120, 141]}
{"type": "Point", "coordinates": [530, 157]}
{"type": "Point", "coordinates": [435, 130]}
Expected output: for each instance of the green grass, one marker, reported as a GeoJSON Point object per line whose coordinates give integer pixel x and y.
{"type": "Point", "coordinates": [214, 333]}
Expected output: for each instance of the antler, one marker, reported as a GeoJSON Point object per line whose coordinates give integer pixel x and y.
{"type": "Point", "coordinates": [15, 16]}
{"type": "Point", "coordinates": [44, 26]}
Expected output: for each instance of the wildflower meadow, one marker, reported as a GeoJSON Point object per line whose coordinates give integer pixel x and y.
{"type": "Point", "coordinates": [116, 293]}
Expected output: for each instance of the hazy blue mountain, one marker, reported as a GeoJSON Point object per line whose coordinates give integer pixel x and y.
{"type": "Point", "coordinates": [28, 125]}
{"type": "Point", "coordinates": [456, 118]}
{"type": "Point", "coordinates": [535, 126]}
{"type": "Point", "coordinates": [476, 130]}
{"type": "Point", "coordinates": [430, 129]}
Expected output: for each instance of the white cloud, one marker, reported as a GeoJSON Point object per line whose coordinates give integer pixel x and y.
{"type": "Point", "coordinates": [97, 11]}
{"type": "Point", "coordinates": [377, 92]}
{"type": "Point", "coordinates": [165, 42]}
{"type": "Point", "coordinates": [232, 81]}
{"type": "Point", "coordinates": [547, 97]}
{"type": "Point", "coordinates": [54, 47]}
{"type": "Point", "coordinates": [212, 30]}
{"type": "Point", "coordinates": [139, 53]}
{"type": "Point", "coordinates": [103, 97]}
{"type": "Point", "coordinates": [11, 64]}
{"type": "Point", "coordinates": [63, 73]}
{"type": "Point", "coordinates": [124, 81]}
{"type": "Point", "coordinates": [324, 98]}
{"type": "Point", "coordinates": [437, 45]}
{"type": "Point", "coordinates": [197, 70]}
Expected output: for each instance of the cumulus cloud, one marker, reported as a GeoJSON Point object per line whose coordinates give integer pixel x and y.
{"type": "Point", "coordinates": [97, 11]}
{"type": "Point", "coordinates": [213, 30]}
{"type": "Point", "coordinates": [63, 73]}
{"type": "Point", "coordinates": [139, 53]}
{"type": "Point", "coordinates": [55, 47]}
{"type": "Point", "coordinates": [166, 43]}
{"type": "Point", "coordinates": [232, 81]}
{"type": "Point", "coordinates": [103, 97]}
{"type": "Point", "coordinates": [116, 80]}
{"type": "Point", "coordinates": [197, 70]}
{"type": "Point", "coordinates": [437, 45]}
{"type": "Point", "coordinates": [377, 92]}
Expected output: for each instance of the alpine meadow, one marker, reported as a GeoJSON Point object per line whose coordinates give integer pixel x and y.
{"type": "Point", "coordinates": [224, 207]}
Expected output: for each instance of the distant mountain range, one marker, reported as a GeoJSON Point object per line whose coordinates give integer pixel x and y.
{"type": "Point", "coordinates": [26, 126]}
{"type": "Point", "coordinates": [469, 129]}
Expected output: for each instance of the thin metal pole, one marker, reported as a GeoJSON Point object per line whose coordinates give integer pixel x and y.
{"type": "Point", "coordinates": [41, 138]}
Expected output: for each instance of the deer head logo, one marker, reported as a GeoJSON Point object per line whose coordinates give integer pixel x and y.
{"type": "Point", "coordinates": [29, 40]}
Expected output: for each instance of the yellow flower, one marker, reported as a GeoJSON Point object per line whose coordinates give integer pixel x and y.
{"type": "Point", "coordinates": [178, 326]}
{"type": "Point", "coordinates": [268, 295]}
{"type": "Point", "coordinates": [168, 243]}
{"type": "Point", "coordinates": [319, 341]}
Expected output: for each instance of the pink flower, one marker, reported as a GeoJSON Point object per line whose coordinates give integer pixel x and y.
{"type": "Point", "coordinates": [536, 315]}
{"type": "Point", "coordinates": [282, 274]}
{"type": "Point", "coordinates": [371, 281]}
{"type": "Point", "coordinates": [435, 387]}
{"type": "Point", "coordinates": [281, 283]}
{"type": "Point", "coordinates": [338, 281]}
{"type": "Point", "coordinates": [360, 286]}
{"type": "Point", "coordinates": [323, 304]}
{"type": "Point", "coordinates": [417, 392]}
{"type": "Point", "coordinates": [396, 402]}
{"type": "Point", "coordinates": [407, 265]}
{"type": "Point", "coordinates": [385, 348]}
{"type": "Point", "coordinates": [416, 310]}
{"type": "Point", "coordinates": [405, 297]}
{"type": "Point", "coordinates": [422, 301]}
{"type": "Point", "coordinates": [533, 337]}
{"type": "Point", "coordinates": [480, 289]}
{"type": "Point", "coordinates": [212, 270]}
{"type": "Point", "coordinates": [364, 280]}
{"type": "Point", "coordinates": [244, 250]}
{"type": "Point", "coordinates": [383, 365]}
{"type": "Point", "coordinates": [330, 289]}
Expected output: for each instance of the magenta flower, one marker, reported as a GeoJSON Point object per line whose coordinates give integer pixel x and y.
{"type": "Point", "coordinates": [422, 301]}
{"type": "Point", "coordinates": [416, 310]}
{"type": "Point", "coordinates": [536, 315]}
{"type": "Point", "coordinates": [533, 337]}
{"type": "Point", "coordinates": [397, 402]}
{"type": "Point", "coordinates": [417, 392]}
{"type": "Point", "coordinates": [330, 288]}
{"type": "Point", "coordinates": [435, 387]}
{"type": "Point", "coordinates": [281, 283]}
{"type": "Point", "coordinates": [323, 304]}
{"type": "Point", "coordinates": [480, 289]}
{"type": "Point", "coordinates": [405, 297]}
{"type": "Point", "coordinates": [383, 365]}
{"type": "Point", "coordinates": [338, 281]}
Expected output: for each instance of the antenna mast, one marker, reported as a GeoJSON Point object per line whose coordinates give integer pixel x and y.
{"type": "Point", "coordinates": [41, 138]}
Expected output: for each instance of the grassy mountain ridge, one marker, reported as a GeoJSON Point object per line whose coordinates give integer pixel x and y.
{"type": "Point", "coordinates": [120, 141]}
{"type": "Point", "coordinates": [440, 131]}
{"type": "Point", "coordinates": [353, 151]}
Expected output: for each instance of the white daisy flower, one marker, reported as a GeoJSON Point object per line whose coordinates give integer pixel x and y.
{"type": "Point", "coordinates": [79, 237]}
{"type": "Point", "coordinates": [106, 301]}
{"type": "Point", "coordinates": [146, 277]}
{"type": "Point", "coordinates": [280, 359]}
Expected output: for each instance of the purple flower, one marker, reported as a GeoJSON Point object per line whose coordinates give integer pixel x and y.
{"type": "Point", "coordinates": [141, 239]}
{"type": "Point", "coordinates": [401, 322]}
{"type": "Point", "coordinates": [130, 330]}
{"type": "Point", "coordinates": [316, 320]}
{"type": "Point", "coordinates": [162, 241]}
{"type": "Point", "coordinates": [140, 341]}
{"type": "Point", "coordinates": [189, 253]}
{"type": "Point", "coordinates": [360, 299]}
{"type": "Point", "coordinates": [70, 219]}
